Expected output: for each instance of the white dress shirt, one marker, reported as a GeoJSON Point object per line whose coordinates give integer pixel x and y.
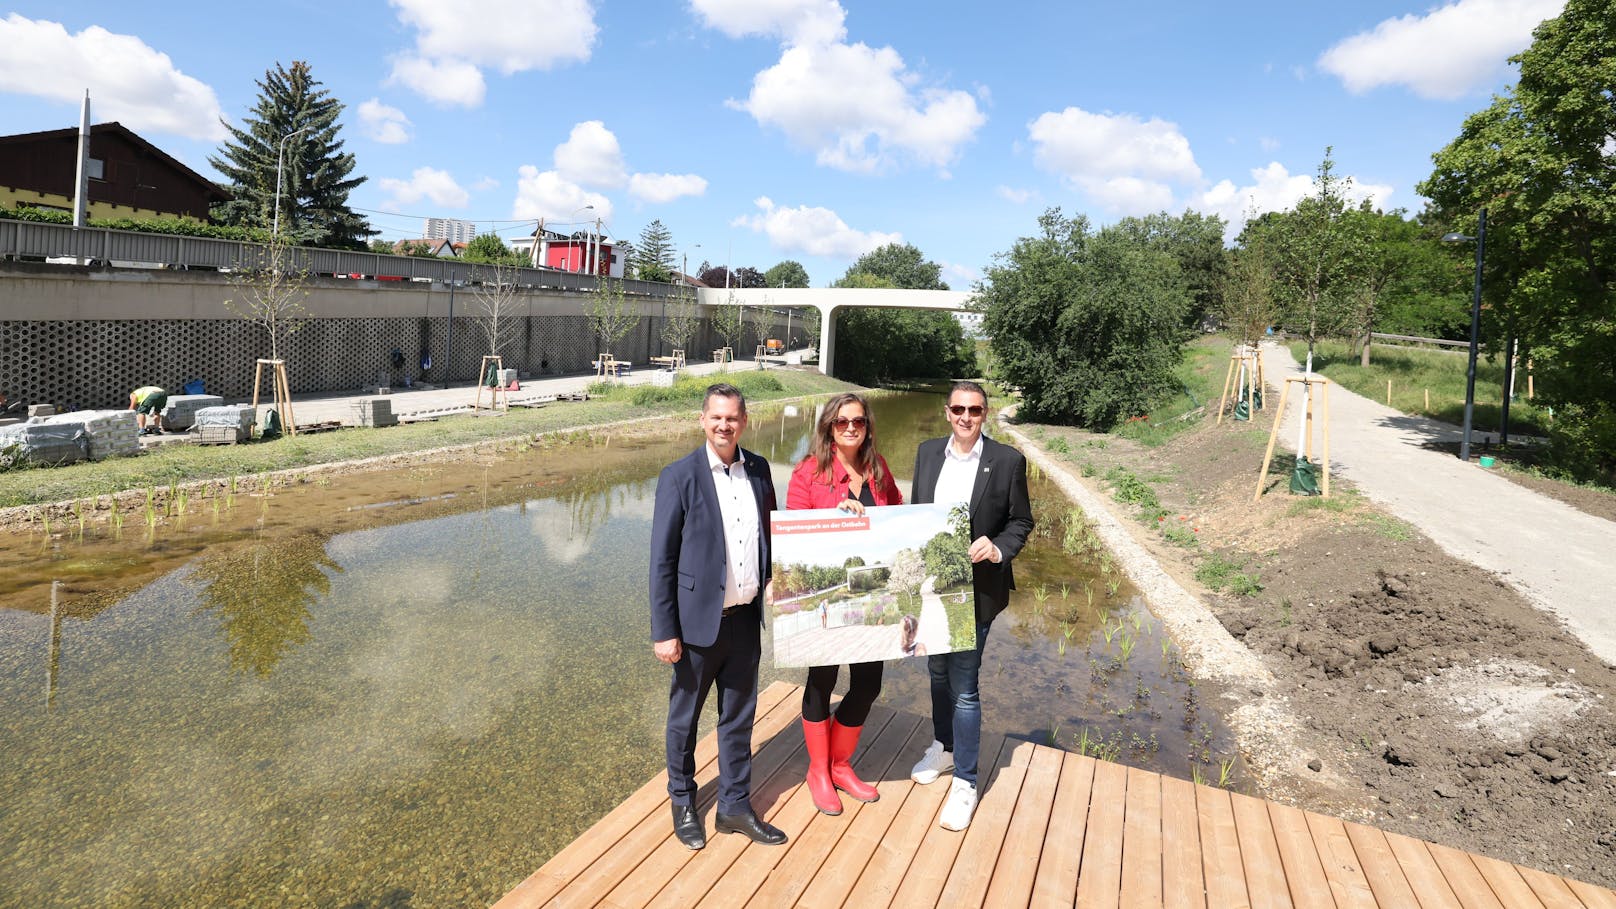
{"type": "Point", "coordinates": [737, 506]}
{"type": "Point", "coordinates": [957, 479]}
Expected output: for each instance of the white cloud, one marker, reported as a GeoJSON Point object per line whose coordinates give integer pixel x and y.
{"type": "Point", "coordinates": [442, 81]}
{"type": "Point", "coordinates": [812, 231]}
{"type": "Point", "coordinates": [591, 156]}
{"type": "Point", "coordinates": [859, 109]}
{"type": "Point", "coordinates": [1445, 54]}
{"type": "Point", "coordinates": [795, 21]}
{"type": "Point", "coordinates": [659, 188]}
{"type": "Point", "coordinates": [547, 194]}
{"type": "Point", "coordinates": [385, 124]}
{"type": "Point", "coordinates": [1268, 143]}
{"type": "Point", "coordinates": [965, 274]}
{"type": "Point", "coordinates": [484, 184]}
{"type": "Point", "coordinates": [511, 36]}
{"type": "Point", "coordinates": [1122, 162]}
{"type": "Point", "coordinates": [1018, 196]}
{"type": "Point", "coordinates": [1273, 188]}
{"type": "Point", "coordinates": [128, 80]}
{"type": "Point", "coordinates": [425, 183]}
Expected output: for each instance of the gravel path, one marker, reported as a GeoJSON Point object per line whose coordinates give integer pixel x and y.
{"type": "Point", "coordinates": [1561, 559]}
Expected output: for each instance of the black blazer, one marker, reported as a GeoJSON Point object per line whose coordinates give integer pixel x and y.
{"type": "Point", "coordinates": [688, 568]}
{"type": "Point", "coordinates": [1000, 511]}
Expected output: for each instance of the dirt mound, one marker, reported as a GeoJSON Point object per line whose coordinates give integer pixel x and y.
{"type": "Point", "coordinates": [1423, 686]}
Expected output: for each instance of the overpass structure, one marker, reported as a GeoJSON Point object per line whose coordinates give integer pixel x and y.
{"type": "Point", "coordinates": [829, 299]}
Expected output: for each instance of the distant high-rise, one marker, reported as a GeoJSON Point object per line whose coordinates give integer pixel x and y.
{"type": "Point", "coordinates": [450, 229]}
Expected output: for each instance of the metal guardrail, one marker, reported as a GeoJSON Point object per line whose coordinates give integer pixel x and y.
{"type": "Point", "coordinates": [43, 240]}
{"type": "Point", "coordinates": [1414, 339]}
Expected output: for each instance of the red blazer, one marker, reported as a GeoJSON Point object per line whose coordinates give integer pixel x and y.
{"type": "Point", "coordinates": [825, 492]}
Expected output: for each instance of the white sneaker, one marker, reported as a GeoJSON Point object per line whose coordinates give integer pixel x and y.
{"type": "Point", "coordinates": [960, 806]}
{"type": "Point", "coordinates": [934, 763]}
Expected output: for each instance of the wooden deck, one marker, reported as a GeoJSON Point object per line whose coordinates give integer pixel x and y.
{"type": "Point", "coordinates": [1052, 829]}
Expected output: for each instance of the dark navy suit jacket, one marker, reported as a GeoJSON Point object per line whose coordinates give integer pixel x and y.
{"type": "Point", "coordinates": [1000, 511]}
{"type": "Point", "coordinates": [688, 568]}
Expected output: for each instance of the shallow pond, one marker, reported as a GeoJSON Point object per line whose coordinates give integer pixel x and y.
{"type": "Point", "coordinates": [412, 686]}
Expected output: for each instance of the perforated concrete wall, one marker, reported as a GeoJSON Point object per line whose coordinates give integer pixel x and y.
{"type": "Point", "coordinates": [95, 363]}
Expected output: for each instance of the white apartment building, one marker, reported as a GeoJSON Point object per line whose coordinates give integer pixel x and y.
{"type": "Point", "coordinates": [450, 229]}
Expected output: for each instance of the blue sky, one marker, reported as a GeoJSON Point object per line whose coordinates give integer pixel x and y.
{"type": "Point", "coordinates": [813, 130]}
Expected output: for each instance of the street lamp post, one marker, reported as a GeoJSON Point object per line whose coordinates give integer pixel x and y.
{"type": "Point", "coordinates": [1480, 239]}
{"type": "Point", "coordinates": [582, 260]}
{"type": "Point", "coordinates": [684, 263]}
{"type": "Point", "coordinates": [280, 160]}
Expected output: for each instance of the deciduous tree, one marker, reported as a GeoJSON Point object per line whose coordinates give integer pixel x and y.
{"type": "Point", "coordinates": [789, 273]}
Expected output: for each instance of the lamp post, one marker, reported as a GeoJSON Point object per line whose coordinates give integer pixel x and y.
{"type": "Point", "coordinates": [684, 263]}
{"type": "Point", "coordinates": [582, 260]}
{"type": "Point", "coordinates": [280, 160]}
{"type": "Point", "coordinates": [1480, 239]}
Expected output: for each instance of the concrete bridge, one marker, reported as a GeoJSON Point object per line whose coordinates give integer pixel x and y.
{"type": "Point", "coordinates": [829, 299]}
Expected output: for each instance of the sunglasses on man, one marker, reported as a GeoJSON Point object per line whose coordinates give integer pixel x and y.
{"type": "Point", "coordinates": [844, 422]}
{"type": "Point", "coordinates": [975, 410]}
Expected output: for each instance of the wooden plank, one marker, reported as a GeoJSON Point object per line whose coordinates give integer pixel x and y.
{"type": "Point", "coordinates": [1424, 877]}
{"type": "Point", "coordinates": [1220, 848]}
{"type": "Point", "coordinates": [1259, 854]}
{"type": "Point", "coordinates": [1062, 857]}
{"type": "Point", "coordinates": [974, 869]}
{"type": "Point", "coordinates": [1348, 885]}
{"type": "Point", "coordinates": [1592, 895]}
{"type": "Point", "coordinates": [1099, 882]}
{"type": "Point", "coordinates": [708, 868]}
{"type": "Point", "coordinates": [1380, 866]}
{"type": "Point", "coordinates": [809, 849]}
{"type": "Point", "coordinates": [643, 884]}
{"type": "Point", "coordinates": [776, 706]}
{"type": "Point", "coordinates": [1467, 883]}
{"type": "Point", "coordinates": [864, 838]}
{"type": "Point", "coordinates": [1183, 882]}
{"type": "Point", "coordinates": [1020, 857]}
{"type": "Point", "coordinates": [878, 885]}
{"type": "Point", "coordinates": [1304, 873]}
{"type": "Point", "coordinates": [656, 829]}
{"type": "Point", "coordinates": [1511, 889]}
{"type": "Point", "coordinates": [1551, 889]}
{"type": "Point", "coordinates": [1142, 840]}
{"type": "Point", "coordinates": [923, 883]}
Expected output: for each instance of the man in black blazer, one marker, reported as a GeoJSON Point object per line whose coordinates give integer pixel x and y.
{"type": "Point", "coordinates": [709, 565]}
{"type": "Point", "coordinates": [969, 467]}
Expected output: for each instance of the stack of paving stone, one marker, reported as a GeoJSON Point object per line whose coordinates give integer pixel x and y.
{"type": "Point", "coordinates": [108, 433]}
{"type": "Point", "coordinates": [47, 444]}
{"type": "Point", "coordinates": [179, 414]}
{"type": "Point", "coordinates": [230, 423]}
{"type": "Point", "coordinates": [374, 412]}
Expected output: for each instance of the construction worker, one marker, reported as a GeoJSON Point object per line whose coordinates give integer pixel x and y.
{"type": "Point", "coordinates": [148, 402]}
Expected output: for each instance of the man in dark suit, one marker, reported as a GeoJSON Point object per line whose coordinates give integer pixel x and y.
{"type": "Point", "coordinates": [709, 565]}
{"type": "Point", "coordinates": [969, 467]}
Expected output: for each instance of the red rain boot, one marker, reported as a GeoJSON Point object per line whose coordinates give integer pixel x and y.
{"type": "Point", "coordinates": [817, 737]}
{"type": "Point", "coordinates": [843, 742]}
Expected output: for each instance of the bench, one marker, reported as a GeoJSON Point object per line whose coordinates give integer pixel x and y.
{"type": "Point", "coordinates": [608, 366]}
{"type": "Point", "coordinates": [677, 361]}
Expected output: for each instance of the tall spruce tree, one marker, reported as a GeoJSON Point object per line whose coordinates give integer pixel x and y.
{"type": "Point", "coordinates": [315, 172]}
{"type": "Point", "coordinates": [654, 254]}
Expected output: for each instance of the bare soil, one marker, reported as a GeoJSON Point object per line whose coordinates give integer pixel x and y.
{"type": "Point", "coordinates": [1429, 698]}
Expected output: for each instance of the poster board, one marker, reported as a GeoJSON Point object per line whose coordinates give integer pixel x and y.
{"type": "Point", "coordinates": [892, 583]}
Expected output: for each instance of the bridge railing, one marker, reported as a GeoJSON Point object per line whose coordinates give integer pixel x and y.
{"type": "Point", "coordinates": [42, 240]}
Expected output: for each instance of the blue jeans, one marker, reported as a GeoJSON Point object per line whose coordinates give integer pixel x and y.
{"type": "Point", "coordinates": [956, 706]}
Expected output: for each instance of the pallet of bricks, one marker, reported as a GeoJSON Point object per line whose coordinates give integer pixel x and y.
{"type": "Point", "coordinates": [230, 424]}
{"type": "Point", "coordinates": [68, 437]}
{"type": "Point", "coordinates": [108, 433]}
{"type": "Point", "coordinates": [179, 414]}
{"type": "Point", "coordinates": [374, 412]}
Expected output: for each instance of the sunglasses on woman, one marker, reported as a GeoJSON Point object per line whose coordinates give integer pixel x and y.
{"type": "Point", "coordinates": [844, 422]}
{"type": "Point", "coordinates": [975, 410]}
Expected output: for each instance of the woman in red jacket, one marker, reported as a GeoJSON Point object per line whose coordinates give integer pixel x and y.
{"type": "Point", "coordinates": [843, 471]}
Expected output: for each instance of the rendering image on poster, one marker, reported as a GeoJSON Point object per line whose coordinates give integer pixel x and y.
{"type": "Point", "coordinates": [894, 582]}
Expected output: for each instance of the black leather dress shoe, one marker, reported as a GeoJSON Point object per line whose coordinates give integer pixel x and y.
{"type": "Point", "coordinates": [751, 826]}
{"type": "Point", "coordinates": [687, 826]}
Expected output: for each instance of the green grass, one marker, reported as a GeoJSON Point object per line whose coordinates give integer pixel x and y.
{"type": "Point", "coordinates": [1131, 490]}
{"type": "Point", "coordinates": [1389, 527]}
{"type": "Point", "coordinates": [1201, 372]}
{"type": "Point", "coordinates": [171, 464]}
{"type": "Point", "coordinates": [1219, 573]}
{"type": "Point", "coordinates": [1412, 371]}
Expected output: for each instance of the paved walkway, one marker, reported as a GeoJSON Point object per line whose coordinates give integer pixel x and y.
{"type": "Point", "coordinates": [1559, 558]}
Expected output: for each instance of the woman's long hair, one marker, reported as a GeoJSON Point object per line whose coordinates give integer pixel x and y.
{"type": "Point", "coordinates": [823, 449]}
